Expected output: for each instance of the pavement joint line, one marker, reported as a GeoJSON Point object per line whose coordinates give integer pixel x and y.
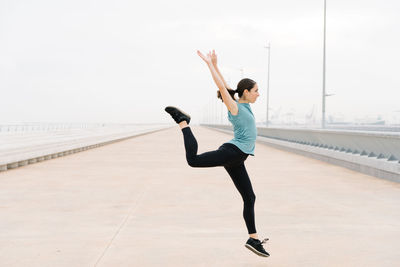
{"type": "Point", "coordinates": [131, 211]}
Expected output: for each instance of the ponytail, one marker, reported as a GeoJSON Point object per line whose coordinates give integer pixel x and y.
{"type": "Point", "coordinates": [244, 84]}
{"type": "Point", "coordinates": [231, 93]}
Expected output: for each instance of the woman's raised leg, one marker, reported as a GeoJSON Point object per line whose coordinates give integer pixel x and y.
{"type": "Point", "coordinates": [215, 158]}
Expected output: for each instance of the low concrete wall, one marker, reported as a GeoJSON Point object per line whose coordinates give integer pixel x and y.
{"type": "Point", "coordinates": [29, 155]}
{"type": "Point", "coordinates": [352, 150]}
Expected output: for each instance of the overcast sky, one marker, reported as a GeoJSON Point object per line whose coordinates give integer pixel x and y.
{"type": "Point", "coordinates": [124, 61]}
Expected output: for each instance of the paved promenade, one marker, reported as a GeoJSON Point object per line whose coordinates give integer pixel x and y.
{"type": "Point", "coordinates": [138, 203]}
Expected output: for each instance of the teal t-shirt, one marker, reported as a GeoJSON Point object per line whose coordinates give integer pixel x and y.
{"type": "Point", "coordinates": [244, 128]}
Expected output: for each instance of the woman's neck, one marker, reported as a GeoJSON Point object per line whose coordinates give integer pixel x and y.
{"type": "Point", "coordinates": [243, 101]}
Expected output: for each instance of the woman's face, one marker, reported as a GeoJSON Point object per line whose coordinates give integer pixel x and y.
{"type": "Point", "coordinates": [252, 95]}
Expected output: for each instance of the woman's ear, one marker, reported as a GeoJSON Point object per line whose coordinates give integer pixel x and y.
{"type": "Point", "coordinates": [244, 94]}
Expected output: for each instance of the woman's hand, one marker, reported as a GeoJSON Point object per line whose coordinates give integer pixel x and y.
{"type": "Point", "coordinates": [214, 58]}
{"type": "Point", "coordinates": [207, 58]}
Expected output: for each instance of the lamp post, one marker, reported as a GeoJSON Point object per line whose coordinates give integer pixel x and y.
{"type": "Point", "coordinates": [268, 46]}
{"type": "Point", "coordinates": [324, 70]}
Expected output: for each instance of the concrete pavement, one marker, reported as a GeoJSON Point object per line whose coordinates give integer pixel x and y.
{"type": "Point", "coordinates": [138, 203]}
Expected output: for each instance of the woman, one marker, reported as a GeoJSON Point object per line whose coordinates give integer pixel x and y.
{"type": "Point", "coordinates": [230, 155]}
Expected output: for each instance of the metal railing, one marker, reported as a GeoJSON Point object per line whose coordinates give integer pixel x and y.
{"type": "Point", "coordinates": [34, 127]}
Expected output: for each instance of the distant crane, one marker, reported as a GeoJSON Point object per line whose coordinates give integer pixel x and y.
{"type": "Point", "coordinates": [276, 114]}
{"type": "Point", "coordinates": [310, 117]}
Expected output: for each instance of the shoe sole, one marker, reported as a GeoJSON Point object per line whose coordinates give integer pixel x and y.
{"type": "Point", "coordinates": [172, 107]}
{"type": "Point", "coordinates": [255, 251]}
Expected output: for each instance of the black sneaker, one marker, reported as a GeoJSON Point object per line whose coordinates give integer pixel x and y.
{"type": "Point", "coordinates": [177, 114]}
{"type": "Point", "coordinates": [256, 246]}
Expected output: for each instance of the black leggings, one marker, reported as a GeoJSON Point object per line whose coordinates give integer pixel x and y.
{"type": "Point", "coordinates": [232, 159]}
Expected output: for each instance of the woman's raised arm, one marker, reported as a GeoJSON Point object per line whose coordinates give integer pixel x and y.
{"type": "Point", "coordinates": [214, 61]}
{"type": "Point", "coordinates": [226, 97]}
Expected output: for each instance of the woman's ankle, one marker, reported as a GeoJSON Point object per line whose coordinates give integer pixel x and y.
{"type": "Point", "coordinates": [255, 236]}
{"type": "Point", "coordinates": [183, 124]}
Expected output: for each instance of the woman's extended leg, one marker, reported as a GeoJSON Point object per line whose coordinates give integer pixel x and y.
{"type": "Point", "coordinates": [242, 182]}
{"type": "Point", "coordinates": [223, 156]}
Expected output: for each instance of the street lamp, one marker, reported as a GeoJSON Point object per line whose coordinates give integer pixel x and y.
{"type": "Point", "coordinates": [324, 70]}
{"type": "Point", "coordinates": [268, 46]}
{"type": "Point", "coordinates": [326, 95]}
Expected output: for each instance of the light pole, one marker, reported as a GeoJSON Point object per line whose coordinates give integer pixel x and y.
{"type": "Point", "coordinates": [324, 70]}
{"type": "Point", "coordinates": [268, 46]}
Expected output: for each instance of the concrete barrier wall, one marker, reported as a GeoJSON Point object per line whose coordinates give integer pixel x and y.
{"type": "Point", "coordinates": [33, 151]}
{"type": "Point", "coordinates": [373, 153]}
{"type": "Point", "coordinates": [374, 144]}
